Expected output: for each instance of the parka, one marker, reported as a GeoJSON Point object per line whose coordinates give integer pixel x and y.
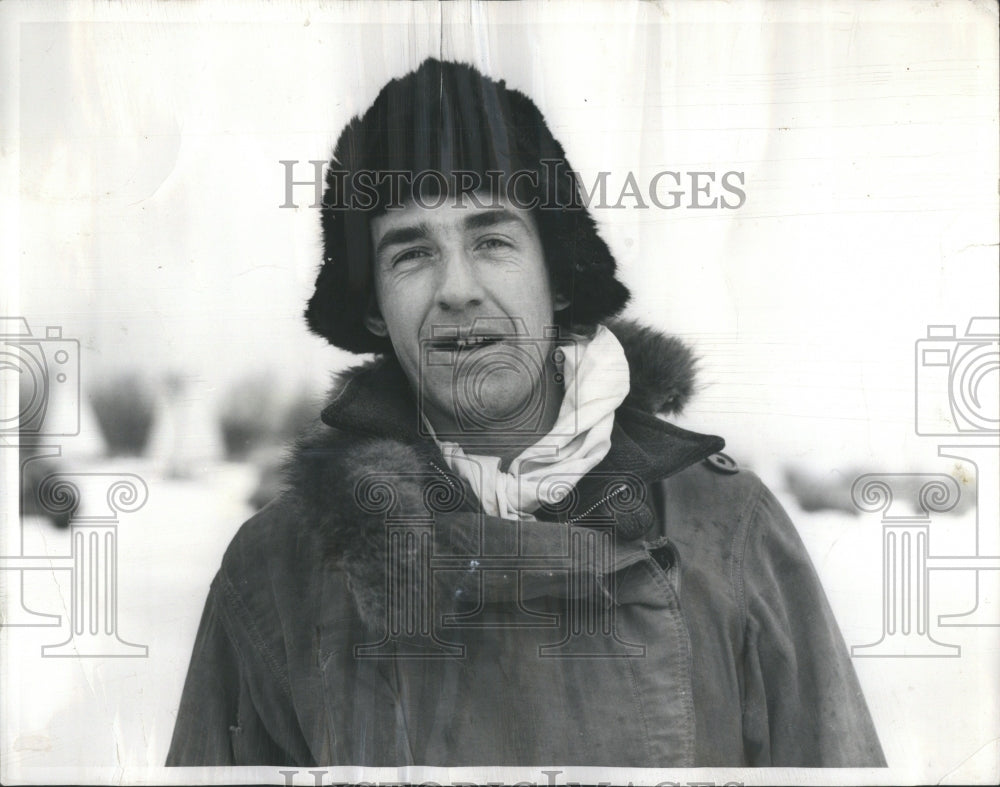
{"type": "Point", "coordinates": [666, 614]}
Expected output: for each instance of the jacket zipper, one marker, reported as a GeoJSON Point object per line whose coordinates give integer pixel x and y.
{"type": "Point", "coordinates": [443, 474]}
{"type": "Point", "coordinates": [614, 493]}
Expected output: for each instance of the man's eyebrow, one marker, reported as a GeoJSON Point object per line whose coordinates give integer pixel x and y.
{"type": "Point", "coordinates": [402, 235]}
{"type": "Point", "coordinates": [490, 218]}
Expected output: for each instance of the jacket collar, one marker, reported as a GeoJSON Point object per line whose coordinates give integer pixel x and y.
{"type": "Point", "coordinates": [375, 400]}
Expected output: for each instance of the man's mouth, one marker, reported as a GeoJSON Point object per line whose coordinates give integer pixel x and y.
{"type": "Point", "coordinates": [466, 342]}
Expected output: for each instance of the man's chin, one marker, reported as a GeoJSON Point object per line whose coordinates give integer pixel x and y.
{"type": "Point", "coordinates": [503, 410]}
{"type": "Point", "coordinates": [496, 407]}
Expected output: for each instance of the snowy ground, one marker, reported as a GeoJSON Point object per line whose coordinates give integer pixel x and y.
{"type": "Point", "coordinates": [117, 711]}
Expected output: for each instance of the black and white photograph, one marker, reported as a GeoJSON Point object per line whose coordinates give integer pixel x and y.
{"type": "Point", "coordinates": [514, 393]}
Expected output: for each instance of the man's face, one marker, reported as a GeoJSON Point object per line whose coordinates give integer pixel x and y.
{"type": "Point", "coordinates": [455, 285]}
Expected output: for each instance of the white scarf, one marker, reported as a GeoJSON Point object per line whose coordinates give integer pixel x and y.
{"type": "Point", "coordinates": [596, 382]}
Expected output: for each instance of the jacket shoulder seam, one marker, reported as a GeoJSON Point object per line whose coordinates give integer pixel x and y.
{"type": "Point", "coordinates": [741, 540]}
{"type": "Point", "coordinates": [239, 610]}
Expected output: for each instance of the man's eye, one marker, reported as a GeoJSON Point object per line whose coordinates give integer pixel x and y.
{"type": "Point", "coordinates": [493, 243]}
{"type": "Point", "coordinates": [408, 255]}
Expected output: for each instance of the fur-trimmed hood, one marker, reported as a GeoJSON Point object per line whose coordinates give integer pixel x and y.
{"type": "Point", "coordinates": [367, 464]}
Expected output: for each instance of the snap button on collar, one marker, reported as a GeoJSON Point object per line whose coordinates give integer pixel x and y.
{"type": "Point", "coordinates": [722, 463]}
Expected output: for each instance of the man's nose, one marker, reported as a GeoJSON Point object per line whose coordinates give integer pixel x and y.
{"type": "Point", "coordinates": [459, 287]}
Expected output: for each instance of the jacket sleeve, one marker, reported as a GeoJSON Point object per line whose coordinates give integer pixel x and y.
{"type": "Point", "coordinates": [803, 705]}
{"type": "Point", "coordinates": [217, 723]}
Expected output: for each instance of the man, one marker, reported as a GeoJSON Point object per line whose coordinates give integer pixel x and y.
{"type": "Point", "coordinates": [491, 550]}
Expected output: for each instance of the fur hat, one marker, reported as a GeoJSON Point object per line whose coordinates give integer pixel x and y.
{"type": "Point", "coordinates": [448, 118]}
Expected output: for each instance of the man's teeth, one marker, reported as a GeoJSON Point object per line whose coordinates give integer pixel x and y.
{"type": "Point", "coordinates": [472, 341]}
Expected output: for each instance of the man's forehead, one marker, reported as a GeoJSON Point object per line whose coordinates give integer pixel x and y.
{"type": "Point", "coordinates": [460, 212]}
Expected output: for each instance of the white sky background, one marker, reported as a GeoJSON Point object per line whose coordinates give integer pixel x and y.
{"type": "Point", "coordinates": [149, 186]}
{"type": "Point", "coordinates": [139, 174]}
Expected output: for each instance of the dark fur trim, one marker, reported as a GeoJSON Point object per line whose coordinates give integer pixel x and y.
{"type": "Point", "coordinates": [662, 368]}
{"type": "Point", "coordinates": [345, 489]}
